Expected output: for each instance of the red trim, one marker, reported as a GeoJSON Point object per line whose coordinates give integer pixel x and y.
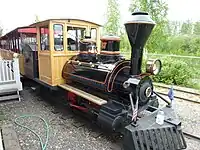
{"type": "Point", "coordinates": [142, 75]}
{"type": "Point", "coordinates": [33, 30]}
{"type": "Point", "coordinates": [110, 90]}
{"type": "Point", "coordinates": [114, 71]}
{"type": "Point", "coordinates": [111, 73]}
{"type": "Point", "coordinates": [110, 52]}
{"type": "Point", "coordinates": [86, 78]}
{"type": "Point", "coordinates": [71, 97]}
{"type": "Point", "coordinates": [79, 107]}
{"type": "Point", "coordinates": [87, 52]}
{"type": "Point", "coordinates": [27, 30]}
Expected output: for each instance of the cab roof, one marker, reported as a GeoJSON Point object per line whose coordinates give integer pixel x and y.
{"type": "Point", "coordinates": [30, 28]}
{"type": "Point", "coordinates": [64, 19]}
{"type": "Point", "coordinates": [23, 29]}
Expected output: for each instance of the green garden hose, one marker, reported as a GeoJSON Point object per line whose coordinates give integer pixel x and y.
{"type": "Point", "coordinates": [43, 146]}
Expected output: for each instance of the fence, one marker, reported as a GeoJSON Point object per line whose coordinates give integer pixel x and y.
{"type": "Point", "coordinates": [6, 54]}
{"type": "Point", "coordinates": [6, 71]}
{"type": "Point", "coordinates": [9, 74]}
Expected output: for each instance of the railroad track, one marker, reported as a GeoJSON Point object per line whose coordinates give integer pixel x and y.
{"type": "Point", "coordinates": [186, 93]}
{"type": "Point", "coordinates": [182, 98]}
{"type": "Point", "coordinates": [191, 136]}
{"type": "Point", "coordinates": [177, 89]}
{"type": "Point", "coordinates": [186, 134]}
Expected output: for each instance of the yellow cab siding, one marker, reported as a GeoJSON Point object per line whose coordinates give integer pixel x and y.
{"type": "Point", "coordinates": [44, 60]}
{"type": "Point", "coordinates": [56, 58]}
{"type": "Point", "coordinates": [60, 57]}
{"type": "Point", "coordinates": [45, 73]}
{"type": "Point", "coordinates": [58, 63]}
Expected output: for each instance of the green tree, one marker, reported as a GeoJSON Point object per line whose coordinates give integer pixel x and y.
{"type": "Point", "coordinates": [197, 28]}
{"type": "Point", "coordinates": [173, 28]}
{"type": "Point", "coordinates": [157, 9]}
{"type": "Point", "coordinates": [124, 41]}
{"type": "Point", "coordinates": [186, 27]}
{"type": "Point", "coordinates": [113, 18]}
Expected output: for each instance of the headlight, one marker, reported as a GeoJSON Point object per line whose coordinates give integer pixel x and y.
{"type": "Point", "coordinates": [153, 66]}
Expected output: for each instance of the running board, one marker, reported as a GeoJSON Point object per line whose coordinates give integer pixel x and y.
{"type": "Point", "coordinates": [89, 97]}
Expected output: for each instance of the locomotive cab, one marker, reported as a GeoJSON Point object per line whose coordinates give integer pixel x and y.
{"type": "Point", "coordinates": [58, 40]}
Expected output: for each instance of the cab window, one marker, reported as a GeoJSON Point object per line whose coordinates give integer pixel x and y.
{"type": "Point", "coordinates": [94, 33]}
{"type": "Point", "coordinates": [44, 38]}
{"type": "Point", "coordinates": [75, 35]}
{"type": "Point", "coordinates": [58, 37]}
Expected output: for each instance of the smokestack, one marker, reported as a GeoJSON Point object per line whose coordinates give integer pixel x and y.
{"type": "Point", "coordinates": [138, 29]}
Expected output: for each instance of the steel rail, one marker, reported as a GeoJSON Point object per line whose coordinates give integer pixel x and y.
{"type": "Point", "coordinates": [191, 136]}
{"type": "Point", "coordinates": [187, 135]}
{"type": "Point", "coordinates": [179, 90]}
{"type": "Point", "coordinates": [182, 98]}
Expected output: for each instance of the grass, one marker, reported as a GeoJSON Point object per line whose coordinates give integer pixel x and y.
{"type": "Point", "coordinates": [193, 64]}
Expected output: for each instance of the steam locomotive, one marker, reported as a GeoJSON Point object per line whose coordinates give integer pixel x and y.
{"type": "Point", "coordinates": [109, 76]}
{"type": "Point", "coordinates": [127, 90]}
{"type": "Point", "coordinates": [114, 91]}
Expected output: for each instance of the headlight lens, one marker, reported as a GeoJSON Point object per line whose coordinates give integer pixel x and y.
{"type": "Point", "coordinates": [153, 66]}
{"type": "Point", "coordinates": [148, 92]}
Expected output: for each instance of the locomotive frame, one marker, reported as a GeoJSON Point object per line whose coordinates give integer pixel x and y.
{"type": "Point", "coordinates": [60, 61]}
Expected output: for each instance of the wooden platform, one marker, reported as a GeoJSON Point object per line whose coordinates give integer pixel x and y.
{"type": "Point", "coordinates": [89, 97]}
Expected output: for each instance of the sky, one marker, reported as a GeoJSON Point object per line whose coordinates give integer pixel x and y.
{"type": "Point", "coordinates": [15, 13]}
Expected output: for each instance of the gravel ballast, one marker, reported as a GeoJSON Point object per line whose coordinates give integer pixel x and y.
{"type": "Point", "coordinates": [69, 132]}
{"type": "Point", "coordinates": [64, 133]}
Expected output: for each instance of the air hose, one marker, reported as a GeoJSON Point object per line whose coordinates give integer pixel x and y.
{"type": "Point", "coordinates": [43, 146]}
